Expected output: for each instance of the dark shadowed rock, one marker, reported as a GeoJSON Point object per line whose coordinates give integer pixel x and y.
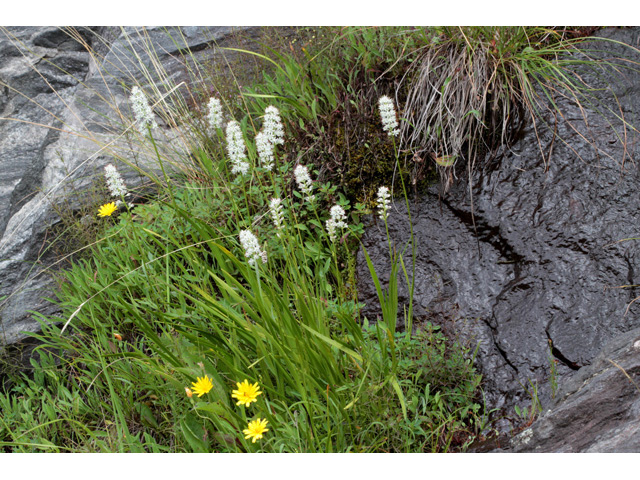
{"type": "Point", "coordinates": [546, 274]}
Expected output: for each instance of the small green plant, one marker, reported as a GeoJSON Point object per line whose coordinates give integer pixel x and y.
{"type": "Point", "coordinates": [439, 384]}
{"type": "Point", "coordinates": [553, 369]}
{"type": "Point", "coordinates": [529, 414]}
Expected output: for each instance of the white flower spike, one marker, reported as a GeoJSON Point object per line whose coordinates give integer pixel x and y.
{"type": "Point", "coordinates": [272, 134]}
{"type": "Point", "coordinates": [301, 174]}
{"type": "Point", "coordinates": [277, 214]}
{"type": "Point", "coordinates": [142, 110]}
{"type": "Point", "coordinates": [388, 115]}
{"type": "Point", "coordinates": [214, 118]}
{"type": "Point", "coordinates": [252, 248]}
{"type": "Point", "coordinates": [265, 150]}
{"type": "Point", "coordinates": [272, 126]}
{"type": "Point", "coordinates": [115, 184]}
{"type": "Point", "coordinates": [236, 149]}
{"type": "Point", "coordinates": [384, 202]}
{"type": "Point", "coordinates": [337, 220]}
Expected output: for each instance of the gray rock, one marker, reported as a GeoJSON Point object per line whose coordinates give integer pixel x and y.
{"type": "Point", "coordinates": [63, 112]}
{"type": "Point", "coordinates": [596, 410]}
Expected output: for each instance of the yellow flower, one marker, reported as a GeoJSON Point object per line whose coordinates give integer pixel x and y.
{"type": "Point", "coordinates": [107, 209]}
{"type": "Point", "coordinates": [202, 386]}
{"type": "Point", "coordinates": [246, 393]}
{"type": "Point", "coordinates": [255, 429]}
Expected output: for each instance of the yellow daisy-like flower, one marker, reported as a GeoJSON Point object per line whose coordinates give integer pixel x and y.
{"type": "Point", "coordinates": [246, 393]}
{"type": "Point", "coordinates": [255, 429]}
{"type": "Point", "coordinates": [202, 386]}
{"type": "Point", "coordinates": [107, 210]}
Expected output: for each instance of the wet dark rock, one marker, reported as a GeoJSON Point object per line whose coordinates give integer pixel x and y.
{"type": "Point", "coordinates": [546, 273]}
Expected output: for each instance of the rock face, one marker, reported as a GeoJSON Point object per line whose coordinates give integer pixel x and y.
{"type": "Point", "coordinates": [596, 410]}
{"type": "Point", "coordinates": [26, 145]}
{"type": "Point", "coordinates": [546, 276]}
{"type": "Point", "coordinates": [63, 112]}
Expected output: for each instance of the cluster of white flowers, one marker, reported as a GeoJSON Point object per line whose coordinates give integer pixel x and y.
{"type": "Point", "coordinates": [388, 115]}
{"type": "Point", "coordinates": [272, 126]}
{"type": "Point", "coordinates": [277, 214]}
{"type": "Point", "coordinates": [214, 118]}
{"type": "Point", "coordinates": [265, 150]}
{"type": "Point", "coordinates": [384, 201]}
{"type": "Point", "coordinates": [337, 220]}
{"type": "Point", "coordinates": [142, 110]}
{"type": "Point", "coordinates": [301, 174]}
{"type": "Point", "coordinates": [236, 148]}
{"type": "Point", "coordinates": [115, 184]}
{"type": "Point", "coordinates": [272, 134]}
{"type": "Point", "coordinates": [252, 248]}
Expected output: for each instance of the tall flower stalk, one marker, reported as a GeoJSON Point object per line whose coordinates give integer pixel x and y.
{"type": "Point", "coordinates": [390, 125]}
{"type": "Point", "coordinates": [236, 149]}
{"type": "Point", "coordinates": [142, 111]}
{"type": "Point", "coordinates": [303, 179]}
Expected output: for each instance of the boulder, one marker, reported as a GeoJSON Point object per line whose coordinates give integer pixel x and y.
{"type": "Point", "coordinates": [596, 410]}
{"type": "Point", "coordinates": [542, 272]}
{"type": "Point", "coordinates": [64, 102]}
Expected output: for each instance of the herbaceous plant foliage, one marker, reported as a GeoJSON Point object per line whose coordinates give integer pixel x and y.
{"type": "Point", "coordinates": [221, 313]}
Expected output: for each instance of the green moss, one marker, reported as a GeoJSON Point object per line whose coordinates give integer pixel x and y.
{"type": "Point", "coordinates": [368, 160]}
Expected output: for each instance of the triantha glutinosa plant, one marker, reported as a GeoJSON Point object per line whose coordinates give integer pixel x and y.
{"type": "Point", "coordinates": [220, 316]}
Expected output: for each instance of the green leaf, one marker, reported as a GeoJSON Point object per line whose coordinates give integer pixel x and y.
{"type": "Point", "coordinates": [146, 415]}
{"type": "Point", "coordinates": [215, 409]}
{"type": "Point", "coordinates": [396, 386]}
{"type": "Point", "coordinates": [333, 343]}
{"type": "Point", "coordinates": [194, 434]}
{"type": "Point", "coordinates": [446, 160]}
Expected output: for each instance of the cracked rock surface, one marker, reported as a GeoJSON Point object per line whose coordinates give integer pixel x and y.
{"type": "Point", "coordinates": [596, 410]}
{"type": "Point", "coordinates": [537, 280]}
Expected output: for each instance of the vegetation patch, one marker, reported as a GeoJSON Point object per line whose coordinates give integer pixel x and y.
{"type": "Point", "coordinates": [221, 314]}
